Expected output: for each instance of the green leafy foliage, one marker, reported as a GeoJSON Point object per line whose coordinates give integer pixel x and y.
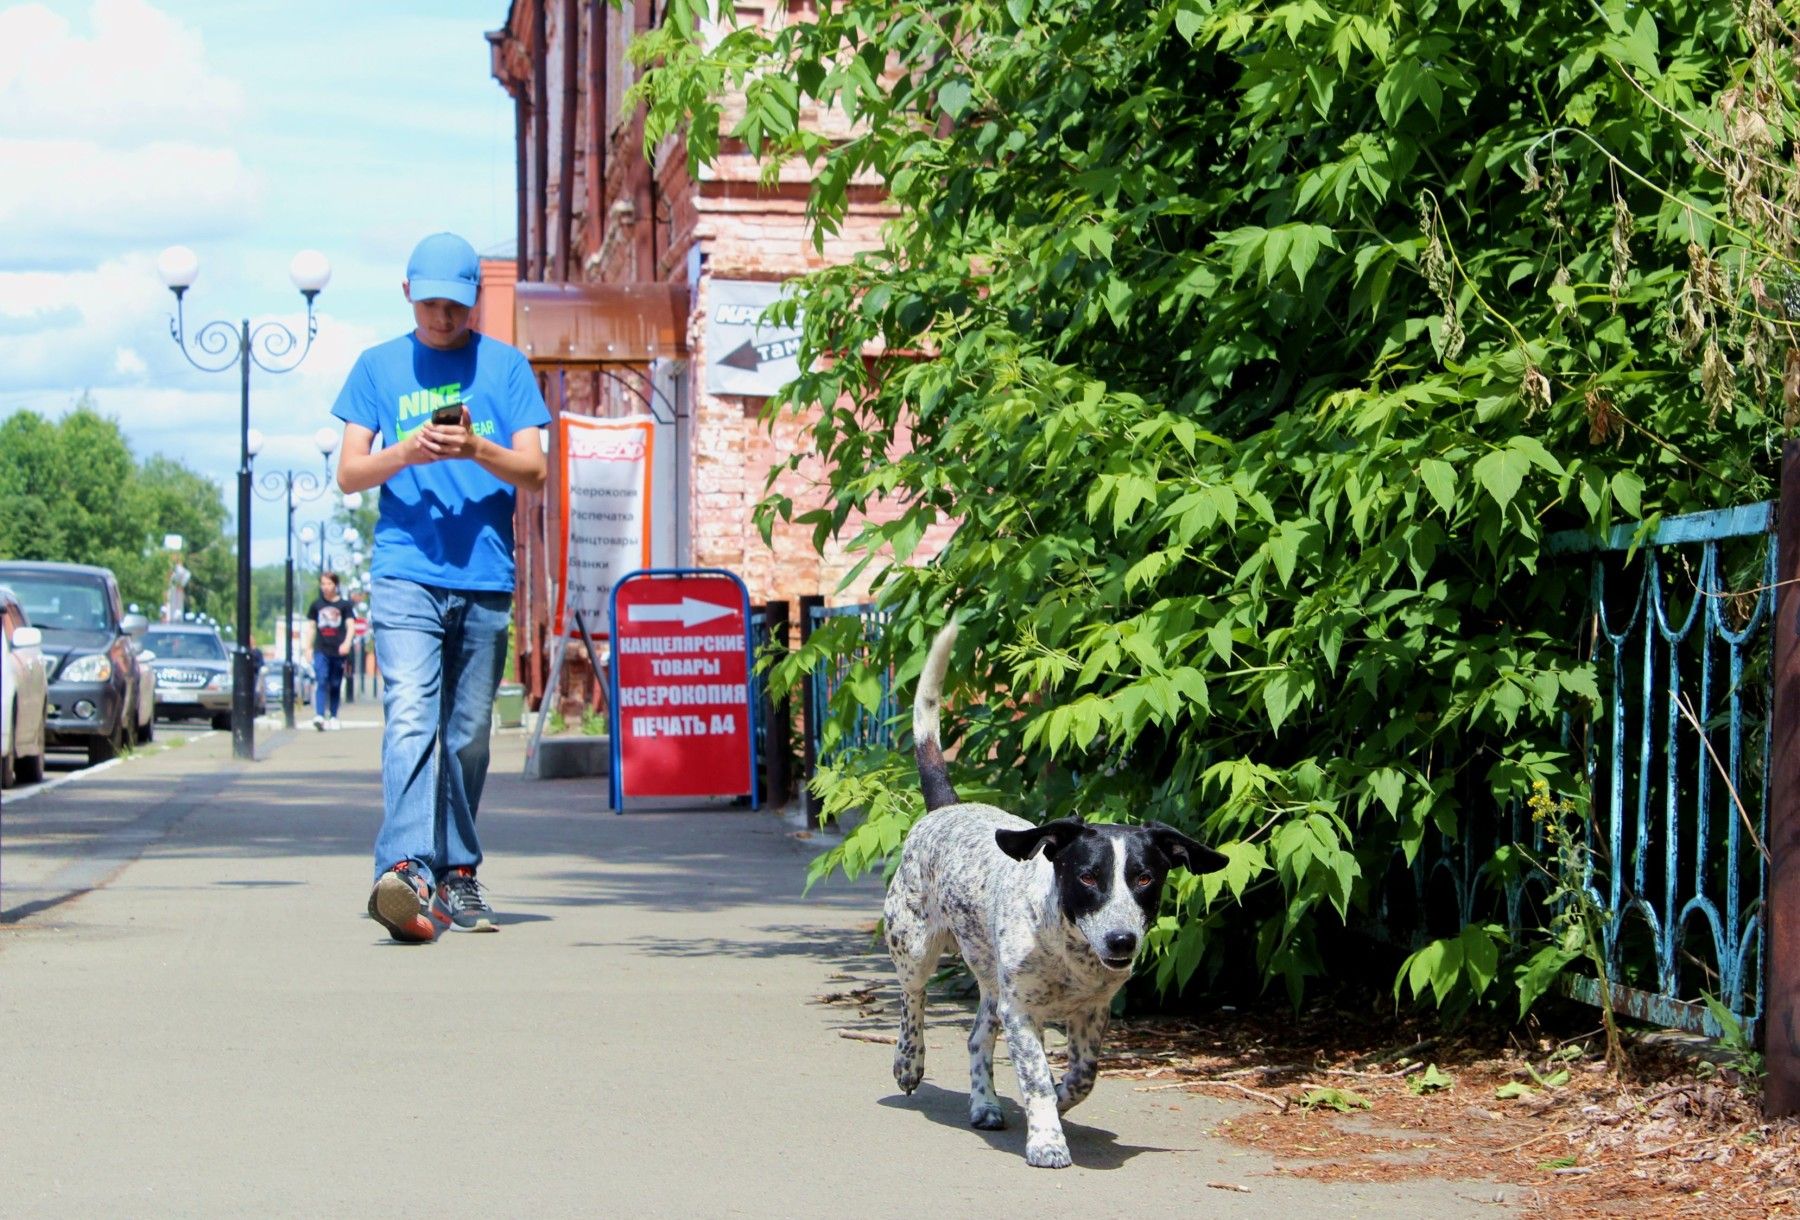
{"type": "Point", "coordinates": [1469, 960]}
{"type": "Point", "coordinates": [72, 492]}
{"type": "Point", "coordinates": [1341, 1100]}
{"type": "Point", "coordinates": [1255, 351]}
{"type": "Point", "coordinates": [1431, 1080]}
{"type": "Point", "coordinates": [1740, 1053]}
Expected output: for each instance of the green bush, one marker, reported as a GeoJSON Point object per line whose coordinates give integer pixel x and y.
{"type": "Point", "coordinates": [1257, 349]}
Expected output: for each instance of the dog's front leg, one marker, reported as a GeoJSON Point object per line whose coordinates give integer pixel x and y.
{"type": "Point", "coordinates": [984, 1105]}
{"type": "Point", "coordinates": [1045, 1146]}
{"type": "Point", "coordinates": [1085, 1032]}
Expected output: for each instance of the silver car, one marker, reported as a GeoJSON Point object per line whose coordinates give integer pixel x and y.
{"type": "Point", "coordinates": [99, 688]}
{"type": "Point", "coordinates": [24, 697]}
{"type": "Point", "coordinates": [303, 684]}
{"type": "Point", "coordinates": [193, 673]}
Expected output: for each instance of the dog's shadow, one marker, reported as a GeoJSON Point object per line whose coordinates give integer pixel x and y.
{"type": "Point", "coordinates": [1091, 1147]}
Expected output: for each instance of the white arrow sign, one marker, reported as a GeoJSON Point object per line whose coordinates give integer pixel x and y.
{"type": "Point", "coordinates": [688, 612]}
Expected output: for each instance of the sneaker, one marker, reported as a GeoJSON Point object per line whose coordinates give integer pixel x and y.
{"type": "Point", "coordinates": [318, 722]}
{"type": "Point", "coordinates": [333, 724]}
{"type": "Point", "coordinates": [461, 904]}
{"type": "Point", "coordinates": [401, 903]}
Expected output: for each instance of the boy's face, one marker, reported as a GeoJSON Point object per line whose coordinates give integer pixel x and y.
{"type": "Point", "coordinates": [328, 588]}
{"type": "Point", "coordinates": [440, 323]}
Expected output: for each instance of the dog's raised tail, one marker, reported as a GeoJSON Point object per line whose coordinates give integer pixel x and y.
{"type": "Point", "coordinates": [928, 750]}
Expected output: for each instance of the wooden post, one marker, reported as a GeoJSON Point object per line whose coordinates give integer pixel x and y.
{"type": "Point", "coordinates": [1781, 1023]}
{"type": "Point", "coordinates": [809, 749]}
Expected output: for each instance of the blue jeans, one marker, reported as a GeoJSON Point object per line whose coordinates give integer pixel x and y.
{"type": "Point", "coordinates": [441, 653]}
{"type": "Point", "coordinates": [328, 680]}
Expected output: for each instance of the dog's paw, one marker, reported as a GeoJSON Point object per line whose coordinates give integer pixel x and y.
{"type": "Point", "coordinates": [908, 1072]}
{"type": "Point", "coordinates": [1067, 1099]}
{"type": "Point", "coordinates": [987, 1118]}
{"type": "Point", "coordinates": [1048, 1154]}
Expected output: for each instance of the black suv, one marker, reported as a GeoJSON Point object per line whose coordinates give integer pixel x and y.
{"type": "Point", "coordinates": [96, 678]}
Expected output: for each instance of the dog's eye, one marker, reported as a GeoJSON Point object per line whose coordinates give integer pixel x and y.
{"type": "Point", "coordinates": [1088, 879]}
{"type": "Point", "coordinates": [1143, 883]}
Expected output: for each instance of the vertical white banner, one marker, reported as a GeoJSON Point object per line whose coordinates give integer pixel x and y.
{"type": "Point", "coordinates": [605, 493]}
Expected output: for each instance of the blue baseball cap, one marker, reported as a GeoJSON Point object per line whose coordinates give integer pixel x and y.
{"type": "Point", "coordinates": [444, 267]}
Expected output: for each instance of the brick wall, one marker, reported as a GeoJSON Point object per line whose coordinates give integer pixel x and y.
{"type": "Point", "coordinates": [645, 223]}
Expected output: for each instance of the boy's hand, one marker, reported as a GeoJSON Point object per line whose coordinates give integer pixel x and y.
{"type": "Point", "coordinates": [442, 441]}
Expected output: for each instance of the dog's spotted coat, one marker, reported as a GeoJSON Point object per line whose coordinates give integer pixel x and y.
{"type": "Point", "coordinates": [1047, 918]}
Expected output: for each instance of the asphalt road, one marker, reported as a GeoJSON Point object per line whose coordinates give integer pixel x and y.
{"type": "Point", "coordinates": [61, 765]}
{"type": "Point", "coordinates": [197, 1019]}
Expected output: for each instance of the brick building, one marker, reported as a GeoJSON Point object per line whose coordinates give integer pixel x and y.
{"type": "Point", "coordinates": [624, 275]}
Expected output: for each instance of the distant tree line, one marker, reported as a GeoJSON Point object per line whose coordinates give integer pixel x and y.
{"type": "Point", "coordinates": [72, 491]}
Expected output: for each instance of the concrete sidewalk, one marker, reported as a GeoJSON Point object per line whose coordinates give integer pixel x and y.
{"type": "Point", "coordinates": [196, 1019]}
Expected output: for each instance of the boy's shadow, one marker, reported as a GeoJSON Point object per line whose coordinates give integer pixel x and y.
{"type": "Point", "coordinates": [1091, 1147]}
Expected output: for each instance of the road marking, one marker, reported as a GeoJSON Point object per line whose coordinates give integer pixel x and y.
{"type": "Point", "coordinates": [60, 780]}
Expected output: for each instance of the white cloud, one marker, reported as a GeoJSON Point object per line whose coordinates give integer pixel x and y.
{"type": "Point", "coordinates": [60, 329]}
{"type": "Point", "coordinates": [65, 328]}
{"type": "Point", "coordinates": [61, 200]}
{"type": "Point", "coordinates": [114, 136]}
{"type": "Point", "coordinates": [123, 129]}
{"type": "Point", "coordinates": [139, 73]}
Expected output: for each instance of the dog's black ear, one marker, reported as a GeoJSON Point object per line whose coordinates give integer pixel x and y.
{"type": "Point", "coordinates": [1050, 838]}
{"type": "Point", "coordinates": [1183, 851]}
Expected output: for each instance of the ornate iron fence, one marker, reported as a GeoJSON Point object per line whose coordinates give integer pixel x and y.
{"type": "Point", "coordinates": [1679, 763]}
{"type": "Point", "coordinates": [870, 727]}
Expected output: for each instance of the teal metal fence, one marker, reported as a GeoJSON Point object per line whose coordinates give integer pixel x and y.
{"type": "Point", "coordinates": [1678, 764]}
{"type": "Point", "coordinates": [874, 727]}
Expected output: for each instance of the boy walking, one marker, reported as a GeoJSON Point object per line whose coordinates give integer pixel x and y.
{"type": "Point", "coordinates": [328, 625]}
{"type": "Point", "coordinates": [457, 414]}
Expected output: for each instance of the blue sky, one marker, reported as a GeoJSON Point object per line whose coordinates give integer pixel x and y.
{"type": "Point", "coordinates": [246, 130]}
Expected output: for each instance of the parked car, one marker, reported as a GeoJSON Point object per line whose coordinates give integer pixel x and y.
{"type": "Point", "coordinates": [303, 684]}
{"type": "Point", "coordinates": [24, 695]}
{"type": "Point", "coordinates": [193, 673]}
{"type": "Point", "coordinates": [99, 688]}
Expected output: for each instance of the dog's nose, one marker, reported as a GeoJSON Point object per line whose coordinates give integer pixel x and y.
{"type": "Point", "coordinates": [1121, 944]}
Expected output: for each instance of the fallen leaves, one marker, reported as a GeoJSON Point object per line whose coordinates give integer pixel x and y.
{"type": "Point", "coordinates": [1671, 1139]}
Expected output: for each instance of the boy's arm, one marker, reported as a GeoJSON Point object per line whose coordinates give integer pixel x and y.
{"type": "Point", "coordinates": [521, 464]}
{"type": "Point", "coordinates": [359, 470]}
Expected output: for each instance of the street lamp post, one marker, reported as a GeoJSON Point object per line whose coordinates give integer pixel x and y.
{"type": "Point", "coordinates": [294, 487]}
{"type": "Point", "coordinates": [308, 536]}
{"type": "Point", "coordinates": [221, 345]}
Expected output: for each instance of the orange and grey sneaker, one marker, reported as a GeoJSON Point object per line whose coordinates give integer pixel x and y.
{"type": "Point", "coordinates": [461, 904]}
{"type": "Point", "coordinates": [401, 903]}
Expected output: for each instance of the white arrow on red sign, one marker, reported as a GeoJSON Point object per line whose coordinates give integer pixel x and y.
{"type": "Point", "coordinates": [689, 611]}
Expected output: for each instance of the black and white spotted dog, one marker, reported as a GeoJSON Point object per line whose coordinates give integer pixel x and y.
{"type": "Point", "coordinates": [1048, 919]}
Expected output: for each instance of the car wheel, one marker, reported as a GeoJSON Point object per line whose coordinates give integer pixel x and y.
{"type": "Point", "coordinates": [105, 749]}
{"type": "Point", "coordinates": [147, 730]}
{"type": "Point", "coordinates": [31, 770]}
{"type": "Point", "coordinates": [222, 722]}
{"type": "Point", "coordinates": [9, 763]}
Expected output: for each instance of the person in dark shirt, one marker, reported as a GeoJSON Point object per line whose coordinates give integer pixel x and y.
{"type": "Point", "coordinates": [329, 622]}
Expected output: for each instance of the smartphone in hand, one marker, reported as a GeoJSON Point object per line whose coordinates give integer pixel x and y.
{"type": "Point", "coordinates": [449, 415]}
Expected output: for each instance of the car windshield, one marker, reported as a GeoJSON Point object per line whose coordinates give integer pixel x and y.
{"type": "Point", "coordinates": [69, 605]}
{"type": "Point", "coordinates": [184, 645]}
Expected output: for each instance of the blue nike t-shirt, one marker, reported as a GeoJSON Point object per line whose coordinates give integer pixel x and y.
{"type": "Point", "coordinates": [447, 523]}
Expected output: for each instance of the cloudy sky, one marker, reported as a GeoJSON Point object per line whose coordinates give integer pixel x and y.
{"type": "Point", "coordinates": [247, 130]}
